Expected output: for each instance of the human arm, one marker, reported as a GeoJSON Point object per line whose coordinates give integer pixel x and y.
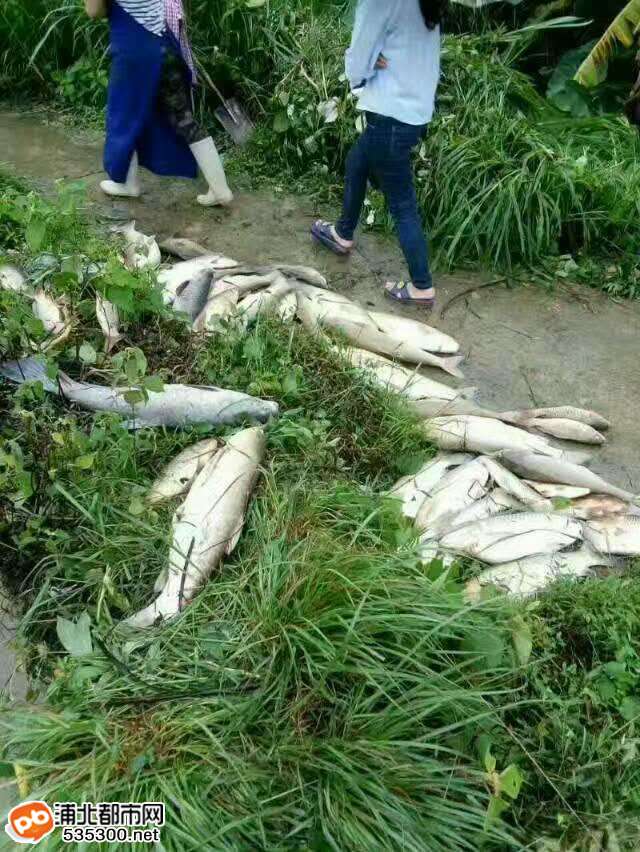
{"type": "Point", "coordinates": [367, 42]}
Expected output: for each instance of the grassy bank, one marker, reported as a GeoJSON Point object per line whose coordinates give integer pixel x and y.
{"type": "Point", "coordinates": [325, 690]}
{"type": "Point", "coordinates": [504, 177]}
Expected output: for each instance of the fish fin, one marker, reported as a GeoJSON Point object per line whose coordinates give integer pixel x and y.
{"type": "Point", "coordinates": [451, 365]}
{"type": "Point", "coordinates": [577, 457]}
{"type": "Point", "coordinates": [29, 370]}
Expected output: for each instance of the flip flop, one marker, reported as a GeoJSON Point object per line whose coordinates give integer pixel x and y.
{"type": "Point", "coordinates": [400, 293]}
{"type": "Point", "coordinates": [321, 233]}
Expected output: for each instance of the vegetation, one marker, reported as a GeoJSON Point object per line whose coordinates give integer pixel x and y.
{"type": "Point", "coordinates": [326, 690]}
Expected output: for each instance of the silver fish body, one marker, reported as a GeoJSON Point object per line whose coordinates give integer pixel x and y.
{"type": "Point", "coordinates": [264, 301]}
{"type": "Point", "coordinates": [567, 430]}
{"type": "Point", "coordinates": [617, 535]}
{"type": "Point", "coordinates": [564, 412]}
{"type": "Point", "coordinates": [193, 296]}
{"type": "Point", "coordinates": [553, 491]}
{"type": "Point", "coordinates": [12, 279]}
{"type": "Point", "coordinates": [414, 333]}
{"type": "Point", "coordinates": [457, 490]}
{"type": "Point", "coordinates": [49, 312]}
{"type": "Point", "coordinates": [143, 255]}
{"type": "Point", "coordinates": [170, 280]}
{"type": "Point", "coordinates": [220, 306]}
{"type": "Point", "coordinates": [507, 538]}
{"type": "Point", "coordinates": [495, 503]}
{"type": "Point", "coordinates": [108, 318]}
{"type": "Point", "coordinates": [524, 578]}
{"type": "Point", "coordinates": [175, 406]}
{"type": "Point", "coordinates": [533, 466]}
{"type": "Point", "coordinates": [303, 273]}
{"type": "Point", "coordinates": [598, 506]}
{"type": "Point", "coordinates": [179, 475]}
{"type": "Point", "coordinates": [483, 435]}
{"type": "Point", "coordinates": [183, 248]}
{"type": "Point", "coordinates": [208, 525]}
{"type": "Point", "coordinates": [413, 490]}
{"type": "Point", "coordinates": [510, 483]}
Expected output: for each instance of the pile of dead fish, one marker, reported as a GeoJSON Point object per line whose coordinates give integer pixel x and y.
{"type": "Point", "coordinates": [500, 491]}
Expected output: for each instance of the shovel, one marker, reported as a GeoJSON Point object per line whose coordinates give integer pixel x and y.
{"type": "Point", "coordinates": [231, 115]}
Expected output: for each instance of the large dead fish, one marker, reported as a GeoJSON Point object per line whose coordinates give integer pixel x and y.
{"type": "Point", "coordinates": [553, 491]}
{"type": "Point", "coordinates": [183, 248]}
{"type": "Point", "coordinates": [220, 306]}
{"type": "Point", "coordinates": [412, 385]}
{"type": "Point", "coordinates": [495, 503]}
{"type": "Point", "coordinates": [510, 483]}
{"type": "Point", "coordinates": [170, 280]}
{"type": "Point", "coordinates": [618, 535]}
{"type": "Point", "coordinates": [208, 525]}
{"type": "Point", "coordinates": [506, 538]}
{"type": "Point", "coordinates": [109, 321]}
{"type": "Point", "coordinates": [533, 466]}
{"type": "Point", "coordinates": [12, 279]}
{"type": "Point", "coordinates": [413, 490]}
{"type": "Point", "coordinates": [250, 281]}
{"type": "Point", "coordinates": [303, 273]}
{"type": "Point", "coordinates": [567, 430]}
{"type": "Point", "coordinates": [598, 506]}
{"type": "Point", "coordinates": [145, 255]}
{"type": "Point", "coordinates": [264, 301]}
{"type": "Point", "coordinates": [526, 577]}
{"type": "Point", "coordinates": [415, 333]}
{"type": "Point", "coordinates": [564, 412]}
{"type": "Point", "coordinates": [483, 435]}
{"type": "Point", "coordinates": [192, 296]}
{"type": "Point", "coordinates": [176, 405]}
{"type": "Point", "coordinates": [457, 490]}
{"type": "Point", "coordinates": [179, 475]}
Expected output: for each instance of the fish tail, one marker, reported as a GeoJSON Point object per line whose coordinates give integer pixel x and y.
{"type": "Point", "coordinates": [451, 365]}
{"type": "Point", "coordinates": [28, 370]}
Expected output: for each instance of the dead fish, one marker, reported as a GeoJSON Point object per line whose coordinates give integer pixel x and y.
{"type": "Point", "coordinates": [568, 430]}
{"type": "Point", "coordinates": [129, 233]}
{"type": "Point", "coordinates": [220, 306]}
{"type": "Point", "coordinates": [553, 491]}
{"type": "Point", "coordinates": [208, 525]}
{"type": "Point", "coordinates": [581, 415]}
{"type": "Point", "coordinates": [495, 503]}
{"type": "Point", "coordinates": [178, 476]}
{"type": "Point", "coordinates": [414, 333]}
{"type": "Point", "coordinates": [183, 248]}
{"type": "Point", "coordinates": [171, 279]}
{"type": "Point", "coordinates": [526, 577]}
{"type": "Point", "coordinates": [145, 255]}
{"type": "Point", "coordinates": [533, 466]}
{"type": "Point", "coordinates": [176, 405]}
{"type": "Point", "coordinates": [194, 295]}
{"type": "Point", "coordinates": [12, 279]}
{"type": "Point", "coordinates": [510, 483]}
{"type": "Point", "coordinates": [457, 490]}
{"type": "Point", "coordinates": [252, 281]}
{"type": "Point", "coordinates": [412, 385]}
{"type": "Point", "coordinates": [288, 308]}
{"type": "Point", "coordinates": [482, 435]}
{"type": "Point", "coordinates": [598, 506]}
{"type": "Point", "coordinates": [50, 313]}
{"type": "Point", "coordinates": [618, 535]}
{"type": "Point", "coordinates": [413, 490]}
{"type": "Point", "coordinates": [303, 273]}
{"type": "Point", "coordinates": [264, 301]}
{"type": "Point", "coordinates": [109, 321]}
{"type": "Point", "coordinates": [507, 538]}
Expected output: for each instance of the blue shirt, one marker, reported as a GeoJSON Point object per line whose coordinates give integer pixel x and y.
{"type": "Point", "coordinates": [406, 89]}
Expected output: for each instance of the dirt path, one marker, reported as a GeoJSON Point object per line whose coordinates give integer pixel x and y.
{"type": "Point", "coordinates": [524, 346]}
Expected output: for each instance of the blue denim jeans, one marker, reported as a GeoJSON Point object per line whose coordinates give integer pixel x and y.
{"type": "Point", "coordinates": [382, 155]}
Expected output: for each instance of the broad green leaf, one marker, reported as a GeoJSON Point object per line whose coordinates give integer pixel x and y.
{"type": "Point", "coordinates": [281, 122]}
{"type": "Point", "coordinates": [75, 637]}
{"type": "Point", "coordinates": [495, 810]}
{"type": "Point", "coordinates": [511, 781]}
{"type": "Point", "coordinates": [133, 397]}
{"type": "Point", "coordinates": [87, 354]}
{"type": "Point", "coordinates": [86, 462]}
{"type": "Point", "coordinates": [630, 708]}
{"type": "Point", "coordinates": [522, 639]}
{"type": "Point", "coordinates": [622, 31]}
{"type": "Point", "coordinates": [35, 233]}
{"type": "Point", "coordinates": [153, 384]}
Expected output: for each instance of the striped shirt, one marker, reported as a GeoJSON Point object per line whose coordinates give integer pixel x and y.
{"type": "Point", "coordinates": [177, 25]}
{"type": "Point", "coordinates": [148, 13]}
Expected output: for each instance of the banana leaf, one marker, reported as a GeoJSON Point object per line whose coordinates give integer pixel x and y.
{"type": "Point", "coordinates": [622, 31]}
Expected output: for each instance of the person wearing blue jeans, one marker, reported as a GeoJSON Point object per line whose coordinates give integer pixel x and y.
{"type": "Point", "coordinates": [393, 66]}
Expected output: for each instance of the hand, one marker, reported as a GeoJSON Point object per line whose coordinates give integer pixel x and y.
{"type": "Point", "coordinates": [382, 63]}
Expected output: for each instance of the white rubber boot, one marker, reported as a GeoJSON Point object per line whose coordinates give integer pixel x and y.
{"type": "Point", "coordinates": [129, 189]}
{"type": "Point", "coordinates": [210, 164]}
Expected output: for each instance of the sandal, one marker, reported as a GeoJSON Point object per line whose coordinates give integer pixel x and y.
{"type": "Point", "coordinates": [400, 293]}
{"type": "Point", "coordinates": [322, 232]}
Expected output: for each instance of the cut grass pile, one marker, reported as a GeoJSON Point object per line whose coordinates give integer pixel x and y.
{"type": "Point", "coordinates": [325, 690]}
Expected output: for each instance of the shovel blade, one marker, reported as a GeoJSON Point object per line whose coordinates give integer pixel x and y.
{"type": "Point", "coordinates": [235, 121]}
